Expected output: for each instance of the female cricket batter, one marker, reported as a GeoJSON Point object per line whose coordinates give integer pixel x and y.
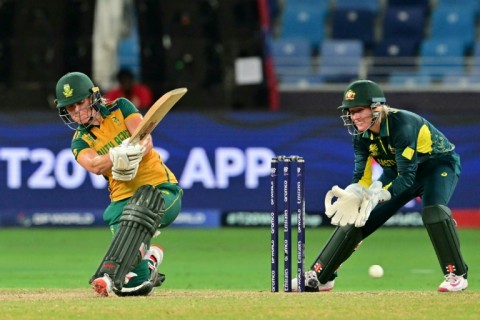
{"type": "Point", "coordinates": [417, 161]}
{"type": "Point", "coordinates": [134, 172]}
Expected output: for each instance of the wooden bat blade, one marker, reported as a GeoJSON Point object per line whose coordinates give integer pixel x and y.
{"type": "Point", "coordinates": [156, 113]}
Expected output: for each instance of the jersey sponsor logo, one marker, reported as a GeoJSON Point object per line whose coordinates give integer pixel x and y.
{"type": "Point", "coordinates": [386, 163]}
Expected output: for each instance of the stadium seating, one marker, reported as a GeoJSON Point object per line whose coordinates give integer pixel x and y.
{"type": "Point", "coordinates": [475, 64]}
{"type": "Point", "coordinates": [442, 57]}
{"type": "Point", "coordinates": [319, 3]}
{"type": "Point", "coordinates": [340, 60]}
{"type": "Point", "coordinates": [396, 47]}
{"type": "Point", "coordinates": [408, 79]}
{"type": "Point", "coordinates": [424, 4]}
{"type": "Point", "coordinates": [425, 40]}
{"type": "Point", "coordinates": [304, 21]}
{"type": "Point", "coordinates": [354, 24]}
{"type": "Point", "coordinates": [474, 5]}
{"type": "Point", "coordinates": [302, 81]}
{"type": "Point", "coordinates": [453, 21]}
{"type": "Point", "coordinates": [393, 54]}
{"type": "Point", "coordinates": [292, 58]}
{"type": "Point", "coordinates": [372, 5]}
{"type": "Point", "coordinates": [404, 22]}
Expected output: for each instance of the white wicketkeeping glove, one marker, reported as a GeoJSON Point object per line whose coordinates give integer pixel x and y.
{"type": "Point", "coordinates": [371, 197]}
{"type": "Point", "coordinates": [126, 159]}
{"type": "Point", "coordinates": [345, 209]}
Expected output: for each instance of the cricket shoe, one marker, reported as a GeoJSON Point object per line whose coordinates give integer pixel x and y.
{"type": "Point", "coordinates": [103, 286]}
{"type": "Point", "coordinates": [453, 283]}
{"type": "Point", "coordinates": [312, 284]}
{"type": "Point", "coordinates": [144, 289]}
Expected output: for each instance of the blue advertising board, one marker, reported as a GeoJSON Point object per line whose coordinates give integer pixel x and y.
{"type": "Point", "coordinates": [222, 161]}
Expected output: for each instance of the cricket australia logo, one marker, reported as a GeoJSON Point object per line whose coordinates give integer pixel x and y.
{"type": "Point", "coordinates": [67, 91]}
{"type": "Point", "coordinates": [350, 95]}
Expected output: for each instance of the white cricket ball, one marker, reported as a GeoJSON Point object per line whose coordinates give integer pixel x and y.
{"type": "Point", "coordinates": [375, 271]}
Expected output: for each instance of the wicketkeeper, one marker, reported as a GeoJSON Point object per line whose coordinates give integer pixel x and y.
{"type": "Point", "coordinates": [417, 161]}
{"type": "Point", "coordinates": [144, 193]}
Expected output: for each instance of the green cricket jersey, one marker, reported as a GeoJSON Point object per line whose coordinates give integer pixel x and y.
{"type": "Point", "coordinates": [406, 141]}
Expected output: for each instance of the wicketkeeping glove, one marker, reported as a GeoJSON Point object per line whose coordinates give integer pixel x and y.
{"type": "Point", "coordinates": [126, 159]}
{"type": "Point", "coordinates": [345, 209]}
{"type": "Point", "coordinates": [371, 197]}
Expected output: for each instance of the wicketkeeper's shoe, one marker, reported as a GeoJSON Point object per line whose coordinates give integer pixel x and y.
{"type": "Point", "coordinates": [312, 284]}
{"type": "Point", "coordinates": [102, 286]}
{"type": "Point", "coordinates": [453, 283]}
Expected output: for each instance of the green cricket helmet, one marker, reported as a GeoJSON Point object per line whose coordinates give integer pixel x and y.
{"type": "Point", "coordinates": [362, 93]}
{"type": "Point", "coordinates": [71, 88]}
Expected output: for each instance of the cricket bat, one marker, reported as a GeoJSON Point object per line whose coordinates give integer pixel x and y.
{"type": "Point", "coordinates": [156, 113]}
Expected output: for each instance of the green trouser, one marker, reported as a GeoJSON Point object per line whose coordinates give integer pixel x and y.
{"type": "Point", "coordinates": [435, 183]}
{"type": "Point", "coordinates": [172, 195]}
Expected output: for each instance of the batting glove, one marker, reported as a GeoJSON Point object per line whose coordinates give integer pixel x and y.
{"type": "Point", "coordinates": [126, 159]}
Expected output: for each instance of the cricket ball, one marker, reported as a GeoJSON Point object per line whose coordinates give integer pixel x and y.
{"type": "Point", "coordinates": [375, 271]}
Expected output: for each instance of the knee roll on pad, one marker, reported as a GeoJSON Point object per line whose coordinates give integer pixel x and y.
{"type": "Point", "coordinates": [138, 223]}
{"type": "Point", "coordinates": [339, 247]}
{"type": "Point", "coordinates": [443, 235]}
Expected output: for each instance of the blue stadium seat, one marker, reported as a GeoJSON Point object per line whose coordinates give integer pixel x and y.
{"type": "Point", "coordinates": [425, 4]}
{"type": "Point", "coordinates": [409, 79]}
{"type": "Point", "coordinates": [475, 66]}
{"type": "Point", "coordinates": [404, 22]}
{"type": "Point", "coordinates": [396, 47]}
{"type": "Point", "coordinates": [474, 5]}
{"type": "Point", "coordinates": [303, 81]}
{"type": "Point", "coordinates": [304, 21]}
{"type": "Point", "coordinates": [442, 57]}
{"type": "Point", "coordinates": [354, 24]}
{"type": "Point", "coordinates": [341, 60]}
{"type": "Point", "coordinates": [325, 4]}
{"type": "Point", "coordinates": [393, 54]}
{"type": "Point", "coordinates": [291, 57]}
{"type": "Point", "coordinates": [453, 21]}
{"type": "Point", "coordinates": [457, 81]}
{"type": "Point", "coordinates": [372, 5]}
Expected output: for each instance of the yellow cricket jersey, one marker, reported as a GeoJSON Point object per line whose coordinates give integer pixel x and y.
{"type": "Point", "coordinates": [111, 132]}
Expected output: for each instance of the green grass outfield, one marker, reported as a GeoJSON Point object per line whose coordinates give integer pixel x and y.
{"type": "Point", "coordinates": [224, 274]}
